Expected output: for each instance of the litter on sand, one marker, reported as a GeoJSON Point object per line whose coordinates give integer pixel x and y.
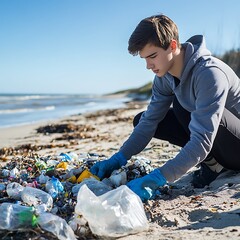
{"type": "Point", "coordinates": [58, 195]}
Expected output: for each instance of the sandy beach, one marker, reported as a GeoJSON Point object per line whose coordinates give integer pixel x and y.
{"type": "Point", "coordinates": [179, 213]}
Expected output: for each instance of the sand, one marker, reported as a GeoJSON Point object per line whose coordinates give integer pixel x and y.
{"type": "Point", "coordinates": [181, 212]}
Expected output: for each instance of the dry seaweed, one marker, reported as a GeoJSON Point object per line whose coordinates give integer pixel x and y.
{"type": "Point", "coordinates": [63, 128]}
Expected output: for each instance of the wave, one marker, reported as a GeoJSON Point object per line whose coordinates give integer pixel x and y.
{"type": "Point", "coordinates": [25, 97]}
{"type": "Point", "coordinates": [22, 98]}
{"type": "Point", "coordinates": [90, 104]}
{"type": "Point", "coordinates": [26, 110]}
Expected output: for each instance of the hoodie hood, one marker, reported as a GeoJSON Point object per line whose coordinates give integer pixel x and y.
{"type": "Point", "coordinates": [195, 48]}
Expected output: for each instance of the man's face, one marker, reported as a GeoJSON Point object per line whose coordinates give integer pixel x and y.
{"type": "Point", "coordinates": [158, 60]}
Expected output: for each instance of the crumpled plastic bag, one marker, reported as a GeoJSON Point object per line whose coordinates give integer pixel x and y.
{"type": "Point", "coordinates": [116, 213]}
{"type": "Point", "coordinates": [56, 225]}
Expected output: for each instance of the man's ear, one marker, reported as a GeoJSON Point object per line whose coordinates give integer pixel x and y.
{"type": "Point", "coordinates": [173, 45]}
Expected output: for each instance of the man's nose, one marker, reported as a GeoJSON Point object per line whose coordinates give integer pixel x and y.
{"type": "Point", "coordinates": [149, 65]}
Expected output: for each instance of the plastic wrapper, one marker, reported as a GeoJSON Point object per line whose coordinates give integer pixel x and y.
{"type": "Point", "coordinates": [14, 190]}
{"type": "Point", "coordinates": [118, 178]}
{"type": "Point", "coordinates": [54, 187]}
{"type": "Point", "coordinates": [86, 174]}
{"type": "Point", "coordinates": [2, 186]}
{"type": "Point", "coordinates": [114, 214]}
{"type": "Point", "coordinates": [97, 187]}
{"type": "Point", "coordinates": [56, 225]}
{"type": "Point", "coordinates": [42, 179]}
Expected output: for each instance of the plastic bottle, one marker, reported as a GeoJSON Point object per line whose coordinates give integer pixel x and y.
{"type": "Point", "coordinates": [54, 187]}
{"type": "Point", "coordinates": [15, 216]}
{"type": "Point", "coordinates": [41, 200]}
{"type": "Point", "coordinates": [56, 225]}
{"type": "Point", "coordinates": [14, 190]}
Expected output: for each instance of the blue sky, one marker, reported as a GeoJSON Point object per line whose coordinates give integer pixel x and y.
{"type": "Point", "coordinates": [80, 46]}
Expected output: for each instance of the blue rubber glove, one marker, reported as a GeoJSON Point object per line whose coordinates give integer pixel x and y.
{"type": "Point", "coordinates": [104, 168]}
{"type": "Point", "coordinates": [145, 187]}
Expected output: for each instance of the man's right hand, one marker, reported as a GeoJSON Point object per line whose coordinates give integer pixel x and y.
{"type": "Point", "coordinates": [104, 168]}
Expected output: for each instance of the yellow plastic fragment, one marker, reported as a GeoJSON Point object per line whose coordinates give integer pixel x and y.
{"type": "Point", "coordinates": [63, 165]}
{"type": "Point", "coordinates": [72, 179]}
{"type": "Point", "coordinates": [86, 174]}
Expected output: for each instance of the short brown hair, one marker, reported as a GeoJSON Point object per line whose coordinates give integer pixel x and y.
{"type": "Point", "coordinates": [158, 30]}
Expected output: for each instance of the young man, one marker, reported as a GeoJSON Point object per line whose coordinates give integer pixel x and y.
{"type": "Point", "coordinates": [195, 104]}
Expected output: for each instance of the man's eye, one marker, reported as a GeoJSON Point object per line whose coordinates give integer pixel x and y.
{"type": "Point", "coordinates": [153, 56]}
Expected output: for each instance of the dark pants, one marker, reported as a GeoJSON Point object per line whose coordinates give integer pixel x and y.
{"type": "Point", "coordinates": [226, 147]}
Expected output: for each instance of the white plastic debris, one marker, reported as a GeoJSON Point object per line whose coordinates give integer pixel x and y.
{"type": "Point", "coordinates": [118, 178]}
{"type": "Point", "coordinates": [114, 214]}
{"type": "Point", "coordinates": [56, 225]}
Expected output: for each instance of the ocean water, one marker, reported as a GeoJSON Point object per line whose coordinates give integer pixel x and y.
{"type": "Point", "coordinates": [20, 109]}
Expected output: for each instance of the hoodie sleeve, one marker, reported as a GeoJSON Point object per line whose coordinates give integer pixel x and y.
{"type": "Point", "coordinates": [211, 89]}
{"type": "Point", "coordinates": [162, 97]}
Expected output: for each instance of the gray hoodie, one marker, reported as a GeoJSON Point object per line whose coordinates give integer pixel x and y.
{"type": "Point", "coordinates": [207, 86]}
